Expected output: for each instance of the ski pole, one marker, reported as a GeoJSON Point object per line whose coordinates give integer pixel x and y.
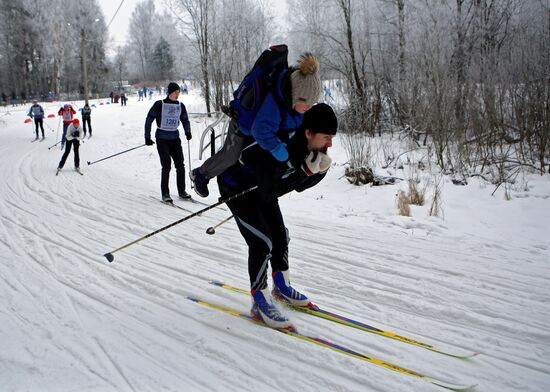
{"type": "Point", "coordinates": [58, 123]}
{"type": "Point", "coordinates": [189, 159]}
{"type": "Point", "coordinates": [114, 155]}
{"type": "Point", "coordinates": [110, 256]}
{"type": "Point", "coordinates": [49, 126]}
{"type": "Point", "coordinates": [212, 230]}
{"type": "Point", "coordinates": [49, 148]}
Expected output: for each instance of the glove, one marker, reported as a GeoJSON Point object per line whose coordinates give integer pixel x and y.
{"type": "Point", "coordinates": [311, 164]}
{"type": "Point", "coordinates": [149, 142]}
{"type": "Point", "coordinates": [76, 133]}
{"type": "Point", "coordinates": [324, 165]}
{"type": "Point", "coordinates": [280, 153]}
{"type": "Point", "coordinates": [188, 135]}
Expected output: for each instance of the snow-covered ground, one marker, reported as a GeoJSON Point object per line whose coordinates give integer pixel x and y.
{"type": "Point", "coordinates": [477, 279]}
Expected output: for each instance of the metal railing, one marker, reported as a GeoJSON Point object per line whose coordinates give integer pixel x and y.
{"type": "Point", "coordinates": [213, 132]}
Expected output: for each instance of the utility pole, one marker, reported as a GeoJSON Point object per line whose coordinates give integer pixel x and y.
{"type": "Point", "coordinates": [84, 63]}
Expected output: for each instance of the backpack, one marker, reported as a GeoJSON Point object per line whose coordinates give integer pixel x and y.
{"type": "Point", "coordinates": [250, 94]}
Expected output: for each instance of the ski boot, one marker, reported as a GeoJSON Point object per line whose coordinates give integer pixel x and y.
{"type": "Point", "coordinates": [264, 310]}
{"type": "Point", "coordinates": [284, 292]}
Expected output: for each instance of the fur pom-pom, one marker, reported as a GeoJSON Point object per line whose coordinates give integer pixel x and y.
{"type": "Point", "coordinates": [308, 64]}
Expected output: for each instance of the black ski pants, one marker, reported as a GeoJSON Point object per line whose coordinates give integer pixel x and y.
{"type": "Point", "coordinates": [70, 143]}
{"type": "Point", "coordinates": [89, 121]}
{"type": "Point", "coordinates": [170, 149]}
{"type": "Point", "coordinates": [37, 122]}
{"type": "Point", "coordinates": [263, 228]}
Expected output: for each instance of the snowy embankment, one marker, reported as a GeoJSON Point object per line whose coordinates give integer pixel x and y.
{"type": "Point", "coordinates": [476, 280]}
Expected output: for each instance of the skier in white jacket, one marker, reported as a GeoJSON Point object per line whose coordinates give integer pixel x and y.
{"type": "Point", "coordinates": [72, 137]}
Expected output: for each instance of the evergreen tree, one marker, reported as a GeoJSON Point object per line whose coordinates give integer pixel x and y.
{"type": "Point", "coordinates": [163, 59]}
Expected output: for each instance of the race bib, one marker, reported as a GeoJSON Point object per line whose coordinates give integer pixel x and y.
{"type": "Point", "coordinates": [36, 110]}
{"type": "Point", "coordinates": [67, 115]}
{"type": "Point", "coordinates": [171, 113]}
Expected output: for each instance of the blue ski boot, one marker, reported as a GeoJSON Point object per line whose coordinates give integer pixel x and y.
{"type": "Point", "coordinates": [283, 291]}
{"type": "Point", "coordinates": [264, 310]}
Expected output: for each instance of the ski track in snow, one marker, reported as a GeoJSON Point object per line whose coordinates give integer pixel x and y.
{"type": "Point", "coordinates": [69, 320]}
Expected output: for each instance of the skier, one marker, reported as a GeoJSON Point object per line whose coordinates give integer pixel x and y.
{"type": "Point", "coordinates": [257, 212]}
{"type": "Point", "coordinates": [296, 90]}
{"type": "Point", "coordinates": [184, 89]}
{"type": "Point", "coordinates": [37, 113]}
{"type": "Point", "coordinates": [73, 140]}
{"type": "Point", "coordinates": [87, 118]}
{"type": "Point", "coordinates": [122, 96]}
{"type": "Point", "coordinates": [140, 95]}
{"type": "Point", "coordinates": [168, 114]}
{"type": "Point", "coordinates": [112, 96]}
{"type": "Point", "coordinates": [66, 112]}
{"type": "Point", "coordinates": [327, 93]}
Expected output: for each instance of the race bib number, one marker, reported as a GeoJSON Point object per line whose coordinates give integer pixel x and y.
{"type": "Point", "coordinates": [171, 113]}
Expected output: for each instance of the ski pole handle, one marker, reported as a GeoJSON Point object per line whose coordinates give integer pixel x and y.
{"type": "Point", "coordinates": [110, 256]}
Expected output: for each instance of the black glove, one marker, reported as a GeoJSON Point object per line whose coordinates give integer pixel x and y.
{"type": "Point", "coordinates": [76, 133]}
{"type": "Point", "coordinates": [188, 135]}
{"type": "Point", "coordinates": [149, 142]}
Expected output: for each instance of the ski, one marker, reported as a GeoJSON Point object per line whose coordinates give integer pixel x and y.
{"type": "Point", "coordinates": [338, 348]}
{"type": "Point", "coordinates": [195, 201]}
{"type": "Point", "coordinates": [316, 311]}
{"type": "Point", "coordinates": [79, 172]}
{"type": "Point", "coordinates": [171, 204]}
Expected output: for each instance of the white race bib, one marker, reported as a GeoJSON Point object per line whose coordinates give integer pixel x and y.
{"type": "Point", "coordinates": [171, 113]}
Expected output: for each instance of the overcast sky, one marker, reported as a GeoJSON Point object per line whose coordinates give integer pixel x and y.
{"type": "Point", "coordinates": [118, 30]}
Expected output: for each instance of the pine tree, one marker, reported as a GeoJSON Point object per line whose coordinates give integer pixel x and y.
{"type": "Point", "coordinates": [163, 59]}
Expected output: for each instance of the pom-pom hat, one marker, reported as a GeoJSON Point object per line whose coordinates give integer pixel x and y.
{"type": "Point", "coordinates": [305, 80]}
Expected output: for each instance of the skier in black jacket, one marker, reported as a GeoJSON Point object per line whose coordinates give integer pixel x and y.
{"type": "Point", "coordinates": [87, 119]}
{"type": "Point", "coordinates": [258, 214]}
{"type": "Point", "coordinates": [168, 114]}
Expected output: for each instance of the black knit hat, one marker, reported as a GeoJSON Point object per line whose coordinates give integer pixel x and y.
{"type": "Point", "coordinates": [172, 87]}
{"type": "Point", "coordinates": [321, 119]}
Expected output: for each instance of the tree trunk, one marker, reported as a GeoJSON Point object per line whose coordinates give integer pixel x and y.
{"type": "Point", "coordinates": [345, 6]}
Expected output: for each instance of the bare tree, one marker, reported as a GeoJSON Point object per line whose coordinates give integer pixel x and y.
{"type": "Point", "coordinates": [141, 36]}
{"type": "Point", "coordinates": [199, 12]}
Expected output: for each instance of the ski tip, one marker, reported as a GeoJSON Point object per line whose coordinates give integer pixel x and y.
{"type": "Point", "coordinates": [291, 328]}
{"type": "Point", "coordinates": [463, 388]}
{"type": "Point", "coordinates": [215, 283]}
{"type": "Point", "coordinates": [210, 231]}
{"type": "Point", "coordinates": [470, 355]}
{"type": "Point", "coordinates": [88, 162]}
{"type": "Point", "coordinates": [460, 355]}
{"type": "Point", "coordinates": [109, 257]}
{"type": "Point", "coordinates": [452, 386]}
